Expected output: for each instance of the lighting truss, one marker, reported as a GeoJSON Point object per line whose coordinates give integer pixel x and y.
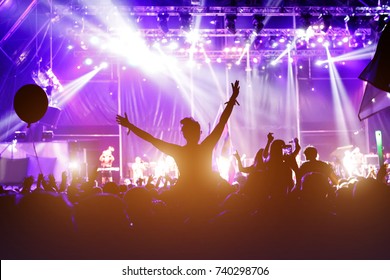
{"type": "Point", "coordinates": [175, 32]}
{"type": "Point", "coordinates": [226, 56]}
{"type": "Point", "coordinates": [222, 11]}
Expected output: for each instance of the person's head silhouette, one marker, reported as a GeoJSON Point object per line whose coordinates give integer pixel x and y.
{"type": "Point", "coordinates": [191, 130]}
{"type": "Point", "coordinates": [276, 150]}
{"type": "Point", "coordinates": [311, 153]}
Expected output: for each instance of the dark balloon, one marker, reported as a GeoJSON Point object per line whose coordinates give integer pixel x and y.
{"type": "Point", "coordinates": [30, 103]}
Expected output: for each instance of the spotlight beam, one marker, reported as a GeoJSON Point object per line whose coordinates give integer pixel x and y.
{"type": "Point", "coordinates": [74, 87]}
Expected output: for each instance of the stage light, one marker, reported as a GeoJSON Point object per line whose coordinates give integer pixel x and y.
{"type": "Point", "coordinates": [46, 79]}
{"type": "Point", "coordinates": [173, 45]}
{"type": "Point", "coordinates": [193, 36]}
{"type": "Point", "coordinates": [88, 61]}
{"type": "Point", "coordinates": [162, 20]}
{"type": "Point", "coordinates": [20, 135]}
{"type": "Point", "coordinates": [94, 40]}
{"type": "Point", "coordinates": [230, 23]}
{"type": "Point", "coordinates": [185, 20]}
{"type": "Point", "coordinates": [103, 65]}
{"type": "Point", "coordinates": [257, 22]}
{"type": "Point", "coordinates": [273, 42]}
{"type": "Point", "coordinates": [326, 44]}
{"type": "Point", "coordinates": [326, 21]}
{"type": "Point", "coordinates": [47, 136]}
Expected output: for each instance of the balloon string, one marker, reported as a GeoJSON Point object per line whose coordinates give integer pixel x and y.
{"type": "Point", "coordinates": [36, 156]}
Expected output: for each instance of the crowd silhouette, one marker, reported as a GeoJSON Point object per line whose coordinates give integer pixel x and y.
{"type": "Point", "coordinates": [277, 209]}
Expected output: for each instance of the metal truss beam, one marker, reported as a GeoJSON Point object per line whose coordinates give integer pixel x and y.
{"type": "Point", "coordinates": [233, 56]}
{"type": "Point", "coordinates": [221, 11]}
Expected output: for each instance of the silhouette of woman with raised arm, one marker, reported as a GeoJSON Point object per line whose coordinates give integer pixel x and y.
{"type": "Point", "coordinates": [194, 159]}
{"type": "Point", "coordinates": [258, 162]}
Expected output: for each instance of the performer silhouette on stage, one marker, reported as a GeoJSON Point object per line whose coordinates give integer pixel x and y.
{"type": "Point", "coordinates": [106, 160]}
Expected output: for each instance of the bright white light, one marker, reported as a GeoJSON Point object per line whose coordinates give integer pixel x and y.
{"type": "Point", "coordinates": [309, 32]}
{"type": "Point", "coordinates": [373, 100]}
{"type": "Point", "coordinates": [300, 33]}
{"type": "Point", "coordinates": [94, 40]}
{"type": "Point", "coordinates": [388, 95]}
{"type": "Point", "coordinates": [74, 165]}
{"type": "Point", "coordinates": [255, 60]}
{"type": "Point", "coordinates": [223, 167]}
{"type": "Point", "coordinates": [238, 62]}
{"type": "Point", "coordinates": [300, 67]}
{"type": "Point", "coordinates": [219, 60]}
{"type": "Point", "coordinates": [273, 62]}
{"type": "Point", "coordinates": [103, 65]}
{"type": "Point", "coordinates": [173, 45]}
{"type": "Point", "coordinates": [226, 50]}
{"type": "Point", "coordinates": [326, 44]}
{"type": "Point", "coordinates": [191, 63]}
{"type": "Point", "coordinates": [88, 61]}
{"type": "Point", "coordinates": [207, 60]}
{"type": "Point", "coordinates": [70, 47]}
{"type": "Point", "coordinates": [193, 36]}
